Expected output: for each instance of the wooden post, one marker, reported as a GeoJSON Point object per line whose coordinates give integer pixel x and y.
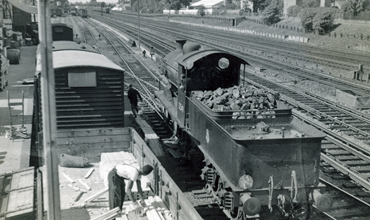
{"type": "Point", "coordinates": [47, 83]}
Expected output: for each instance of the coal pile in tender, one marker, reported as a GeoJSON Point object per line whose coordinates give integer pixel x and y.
{"type": "Point", "coordinates": [238, 98]}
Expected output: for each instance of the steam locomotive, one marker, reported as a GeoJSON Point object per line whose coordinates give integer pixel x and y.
{"type": "Point", "coordinates": [253, 157]}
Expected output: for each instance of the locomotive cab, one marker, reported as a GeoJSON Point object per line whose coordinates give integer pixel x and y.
{"type": "Point", "coordinates": [194, 68]}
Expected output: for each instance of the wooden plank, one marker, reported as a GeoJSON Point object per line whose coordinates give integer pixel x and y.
{"type": "Point", "coordinates": [96, 195]}
{"type": "Point", "coordinates": [109, 145]}
{"type": "Point", "coordinates": [92, 115]}
{"type": "Point", "coordinates": [92, 124]}
{"type": "Point", "coordinates": [108, 215]}
{"type": "Point", "coordinates": [89, 173]}
{"type": "Point", "coordinates": [20, 202]}
{"type": "Point", "coordinates": [91, 104]}
{"type": "Point", "coordinates": [93, 132]}
{"type": "Point", "coordinates": [93, 139]}
{"type": "Point", "coordinates": [39, 205]}
{"type": "Point", "coordinates": [23, 179]}
{"type": "Point", "coordinates": [86, 109]}
{"type": "Point", "coordinates": [91, 152]}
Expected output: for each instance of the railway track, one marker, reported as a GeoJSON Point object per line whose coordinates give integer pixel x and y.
{"type": "Point", "coordinates": [253, 53]}
{"type": "Point", "coordinates": [329, 56]}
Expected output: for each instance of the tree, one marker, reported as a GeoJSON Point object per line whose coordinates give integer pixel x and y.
{"type": "Point", "coordinates": [294, 10]}
{"type": "Point", "coordinates": [310, 4]}
{"type": "Point", "coordinates": [355, 6]}
{"type": "Point", "coordinates": [307, 15]}
{"type": "Point", "coordinates": [323, 21]}
{"type": "Point", "coordinates": [176, 4]}
{"type": "Point", "coordinates": [271, 14]}
{"type": "Point", "coordinates": [260, 4]}
{"type": "Point", "coordinates": [185, 2]}
{"type": "Point", "coordinates": [246, 6]}
{"type": "Point", "coordinates": [201, 11]}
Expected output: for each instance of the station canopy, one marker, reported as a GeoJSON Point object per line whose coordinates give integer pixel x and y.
{"type": "Point", "coordinates": [207, 3]}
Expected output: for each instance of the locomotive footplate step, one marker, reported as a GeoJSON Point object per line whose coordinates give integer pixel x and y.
{"type": "Point", "coordinates": [174, 153]}
{"type": "Point", "coordinates": [173, 146]}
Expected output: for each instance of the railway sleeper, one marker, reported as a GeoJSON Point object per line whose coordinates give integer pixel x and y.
{"type": "Point", "coordinates": [326, 147]}
{"type": "Point", "coordinates": [340, 177]}
{"type": "Point", "coordinates": [350, 185]}
{"type": "Point", "coordinates": [361, 169]}
{"type": "Point", "coordinates": [349, 158]}
{"type": "Point", "coordinates": [351, 213]}
{"type": "Point", "coordinates": [355, 163]}
{"type": "Point", "coordinates": [342, 205]}
{"type": "Point", "coordinates": [363, 194]}
{"type": "Point", "coordinates": [338, 153]}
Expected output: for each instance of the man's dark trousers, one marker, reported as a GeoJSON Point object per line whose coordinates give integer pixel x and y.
{"type": "Point", "coordinates": [117, 191]}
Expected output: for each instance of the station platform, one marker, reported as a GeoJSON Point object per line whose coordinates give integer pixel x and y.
{"type": "Point", "coordinates": [15, 154]}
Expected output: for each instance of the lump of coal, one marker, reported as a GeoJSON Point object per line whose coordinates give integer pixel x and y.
{"type": "Point", "coordinates": [263, 127]}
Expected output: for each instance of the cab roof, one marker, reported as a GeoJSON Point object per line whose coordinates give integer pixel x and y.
{"type": "Point", "coordinates": [187, 60]}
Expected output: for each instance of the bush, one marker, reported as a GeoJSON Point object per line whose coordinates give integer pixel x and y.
{"type": "Point", "coordinates": [230, 6]}
{"type": "Point", "coordinates": [241, 12]}
{"type": "Point", "coordinates": [293, 11]}
{"type": "Point", "coordinates": [310, 4]}
{"type": "Point", "coordinates": [271, 14]}
{"type": "Point", "coordinates": [320, 19]}
{"type": "Point", "coordinates": [323, 21]}
{"type": "Point", "coordinates": [307, 16]}
{"type": "Point", "coordinates": [201, 11]}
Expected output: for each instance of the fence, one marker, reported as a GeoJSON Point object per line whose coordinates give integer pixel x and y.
{"type": "Point", "coordinates": [361, 16]}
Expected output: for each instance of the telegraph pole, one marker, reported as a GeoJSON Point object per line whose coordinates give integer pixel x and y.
{"type": "Point", "coordinates": [47, 83]}
{"type": "Point", "coordinates": [138, 21]}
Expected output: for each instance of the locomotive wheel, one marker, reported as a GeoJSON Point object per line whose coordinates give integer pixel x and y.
{"type": "Point", "coordinates": [237, 214]}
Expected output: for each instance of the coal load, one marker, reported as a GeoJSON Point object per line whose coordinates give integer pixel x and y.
{"type": "Point", "coordinates": [238, 98]}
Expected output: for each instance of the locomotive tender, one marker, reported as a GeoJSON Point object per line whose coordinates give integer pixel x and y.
{"type": "Point", "coordinates": [246, 167]}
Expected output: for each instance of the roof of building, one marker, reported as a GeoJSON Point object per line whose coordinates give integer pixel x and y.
{"type": "Point", "coordinates": [207, 3]}
{"type": "Point", "coordinates": [339, 3]}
